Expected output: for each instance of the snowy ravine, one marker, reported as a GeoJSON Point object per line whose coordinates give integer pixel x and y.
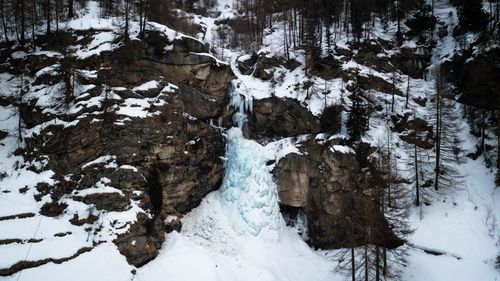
{"type": "Point", "coordinates": [238, 232]}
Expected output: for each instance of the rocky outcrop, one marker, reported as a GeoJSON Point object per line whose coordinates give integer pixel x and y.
{"type": "Point", "coordinates": [477, 78]}
{"type": "Point", "coordinates": [246, 64]}
{"type": "Point", "coordinates": [263, 65]}
{"type": "Point", "coordinates": [327, 68]}
{"type": "Point", "coordinates": [281, 117]}
{"type": "Point", "coordinates": [324, 182]}
{"type": "Point", "coordinates": [187, 151]}
{"type": "Point", "coordinates": [143, 240]}
{"type": "Point", "coordinates": [412, 62]}
{"type": "Point", "coordinates": [185, 62]}
{"type": "Point", "coordinates": [372, 54]}
{"type": "Point", "coordinates": [164, 161]}
{"type": "Point", "coordinates": [414, 130]}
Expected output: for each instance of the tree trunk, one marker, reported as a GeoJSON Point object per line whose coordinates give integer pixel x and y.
{"type": "Point", "coordinates": [483, 130]}
{"type": "Point", "coordinates": [498, 137]}
{"type": "Point", "coordinates": [141, 11]}
{"type": "Point", "coordinates": [4, 23]}
{"type": "Point", "coordinates": [438, 135]}
{"type": "Point", "coordinates": [57, 14]}
{"type": "Point", "coordinates": [23, 20]}
{"type": "Point", "coordinates": [366, 261]}
{"type": "Point", "coordinates": [70, 9]}
{"type": "Point", "coordinates": [21, 94]}
{"type": "Point", "coordinates": [353, 265]}
{"type": "Point", "coordinates": [398, 16]}
{"type": "Point", "coordinates": [47, 7]}
{"type": "Point", "coordinates": [417, 187]}
{"type": "Point", "coordinates": [407, 93]}
{"type": "Point", "coordinates": [126, 35]}
{"type": "Point", "coordinates": [144, 19]}
{"type": "Point", "coordinates": [384, 270]}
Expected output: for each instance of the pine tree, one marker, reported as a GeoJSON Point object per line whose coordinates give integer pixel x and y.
{"type": "Point", "coordinates": [423, 19]}
{"type": "Point", "coordinates": [358, 118]}
{"type": "Point", "coordinates": [447, 148]}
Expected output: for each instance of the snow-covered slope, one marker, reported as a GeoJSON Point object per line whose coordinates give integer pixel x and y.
{"type": "Point", "coordinates": [238, 231]}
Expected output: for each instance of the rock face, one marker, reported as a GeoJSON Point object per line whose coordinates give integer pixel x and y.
{"type": "Point", "coordinates": [324, 183]}
{"type": "Point", "coordinates": [165, 160]}
{"type": "Point", "coordinates": [411, 62]}
{"type": "Point", "coordinates": [263, 65]}
{"type": "Point", "coordinates": [185, 62]}
{"type": "Point", "coordinates": [294, 177]}
{"type": "Point", "coordinates": [415, 131]}
{"type": "Point", "coordinates": [275, 117]}
{"type": "Point", "coordinates": [477, 78]}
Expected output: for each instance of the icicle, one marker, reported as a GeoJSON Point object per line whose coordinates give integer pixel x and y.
{"type": "Point", "coordinates": [243, 103]}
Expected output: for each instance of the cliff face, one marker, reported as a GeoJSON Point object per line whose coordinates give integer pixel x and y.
{"type": "Point", "coordinates": [140, 125]}
{"type": "Point", "coordinates": [476, 77]}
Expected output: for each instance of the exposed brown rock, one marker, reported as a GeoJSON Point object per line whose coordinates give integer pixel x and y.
{"type": "Point", "coordinates": [80, 221]}
{"type": "Point", "coordinates": [177, 139]}
{"type": "Point", "coordinates": [477, 78]}
{"type": "Point", "coordinates": [53, 209]}
{"type": "Point", "coordinates": [414, 131]}
{"type": "Point", "coordinates": [323, 183]}
{"type": "Point", "coordinates": [275, 117]}
{"type": "Point", "coordinates": [412, 62]}
{"type": "Point", "coordinates": [247, 66]}
{"type": "Point", "coordinates": [143, 240]}
{"type": "Point", "coordinates": [111, 202]}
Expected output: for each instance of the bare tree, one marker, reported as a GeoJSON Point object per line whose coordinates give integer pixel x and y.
{"type": "Point", "coordinates": [4, 21]}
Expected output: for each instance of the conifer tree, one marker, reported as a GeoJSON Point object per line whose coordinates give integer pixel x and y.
{"type": "Point", "coordinates": [423, 19]}
{"type": "Point", "coordinates": [358, 118]}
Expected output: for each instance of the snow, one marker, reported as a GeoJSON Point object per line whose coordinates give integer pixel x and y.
{"type": "Point", "coordinates": [102, 41]}
{"type": "Point", "coordinates": [90, 18]}
{"type": "Point", "coordinates": [100, 187]}
{"type": "Point", "coordinates": [103, 263]}
{"type": "Point", "coordinates": [237, 233]}
{"type": "Point", "coordinates": [18, 55]}
{"type": "Point", "coordinates": [102, 159]}
{"type": "Point", "coordinates": [9, 85]}
{"type": "Point", "coordinates": [134, 107]}
{"type": "Point", "coordinates": [341, 149]}
{"type": "Point", "coordinates": [55, 247]}
{"type": "Point", "coordinates": [146, 86]}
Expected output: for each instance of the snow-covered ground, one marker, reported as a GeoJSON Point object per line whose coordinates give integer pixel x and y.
{"type": "Point", "coordinates": [237, 233]}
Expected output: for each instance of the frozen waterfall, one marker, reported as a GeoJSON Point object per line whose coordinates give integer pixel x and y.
{"type": "Point", "coordinates": [249, 195]}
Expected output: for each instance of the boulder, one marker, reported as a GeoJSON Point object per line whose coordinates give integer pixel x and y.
{"type": "Point", "coordinates": [246, 64]}
{"type": "Point", "coordinates": [140, 244]}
